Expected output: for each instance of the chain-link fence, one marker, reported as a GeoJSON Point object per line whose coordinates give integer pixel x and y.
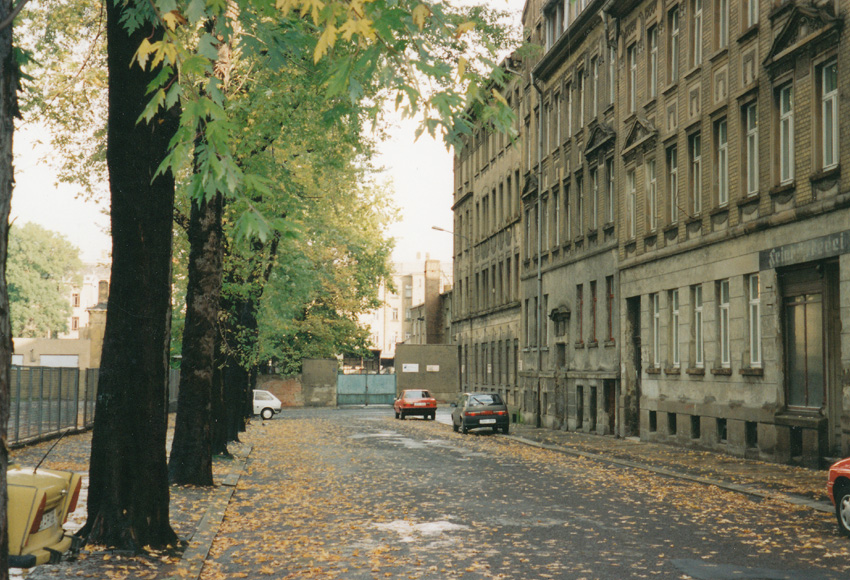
{"type": "Point", "coordinates": [46, 401]}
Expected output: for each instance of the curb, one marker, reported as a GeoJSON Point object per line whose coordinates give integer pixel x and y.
{"type": "Point", "coordinates": [820, 506]}
{"type": "Point", "coordinates": [192, 562]}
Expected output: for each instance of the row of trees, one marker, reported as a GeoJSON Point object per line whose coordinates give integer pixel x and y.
{"type": "Point", "coordinates": [245, 123]}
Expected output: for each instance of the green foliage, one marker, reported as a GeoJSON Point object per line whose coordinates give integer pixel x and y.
{"type": "Point", "coordinates": [41, 269]}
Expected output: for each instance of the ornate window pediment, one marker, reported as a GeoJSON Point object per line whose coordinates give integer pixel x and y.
{"type": "Point", "coordinates": [601, 138]}
{"type": "Point", "coordinates": [806, 25]}
{"type": "Point", "coordinates": [641, 133]}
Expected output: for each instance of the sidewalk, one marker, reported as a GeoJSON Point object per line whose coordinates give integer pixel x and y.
{"type": "Point", "coordinates": [795, 485]}
{"type": "Point", "coordinates": [195, 516]}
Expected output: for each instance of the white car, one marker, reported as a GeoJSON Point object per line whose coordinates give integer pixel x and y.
{"type": "Point", "coordinates": [265, 404]}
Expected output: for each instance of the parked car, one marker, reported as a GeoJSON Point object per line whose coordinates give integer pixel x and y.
{"type": "Point", "coordinates": [838, 490]}
{"type": "Point", "coordinates": [40, 501]}
{"type": "Point", "coordinates": [265, 404]}
{"type": "Point", "coordinates": [415, 402]}
{"type": "Point", "coordinates": [475, 410]}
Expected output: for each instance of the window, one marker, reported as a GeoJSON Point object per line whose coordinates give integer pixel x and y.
{"type": "Point", "coordinates": [723, 316]}
{"type": "Point", "coordinates": [75, 300]}
{"type": "Point", "coordinates": [593, 311]}
{"type": "Point", "coordinates": [558, 113]}
{"type": "Point", "coordinates": [557, 216]}
{"type": "Point", "coordinates": [528, 243]}
{"type": "Point", "coordinates": [580, 204]}
{"type": "Point", "coordinates": [632, 60]}
{"type": "Point", "coordinates": [580, 313]}
{"type": "Point", "coordinates": [594, 207]}
{"type": "Point", "coordinates": [722, 161]}
{"type": "Point", "coordinates": [721, 23]}
{"type": "Point", "coordinates": [673, 44]}
{"type": "Point", "coordinates": [652, 194]}
{"type": "Point", "coordinates": [674, 328]}
{"type": "Point", "coordinates": [631, 203]}
{"type": "Point", "coordinates": [609, 306]}
{"type": "Point", "coordinates": [609, 193]}
{"type": "Point", "coordinates": [696, 40]}
{"type": "Point", "coordinates": [786, 134]}
{"type": "Point", "coordinates": [548, 129]}
{"type": "Point", "coordinates": [580, 81]}
{"type": "Point", "coordinates": [655, 306]}
{"type": "Point", "coordinates": [544, 320]}
{"type": "Point", "coordinates": [673, 182]}
{"type": "Point", "coordinates": [751, 148]}
{"type": "Point", "coordinates": [754, 300]}
{"type": "Point", "coordinates": [75, 323]}
{"type": "Point", "coordinates": [697, 330]}
{"type": "Point", "coordinates": [828, 80]}
{"type": "Point", "coordinates": [612, 75]}
{"type": "Point", "coordinates": [544, 223]}
{"type": "Point", "coordinates": [568, 219]}
{"type": "Point", "coordinates": [569, 92]}
{"type": "Point", "coordinates": [594, 95]}
{"type": "Point", "coordinates": [652, 68]}
{"type": "Point", "coordinates": [695, 147]}
{"type": "Point", "coordinates": [395, 313]}
{"type": "Point", "coordinates": [752, 7]}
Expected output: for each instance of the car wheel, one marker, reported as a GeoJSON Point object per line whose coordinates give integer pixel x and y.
{"type": "Point", "coordinates": [464, 429]}
{"type": "Point", "coordinates": [455, 427]}
{"type": "Point", "coordinates": [842, 509]}
{"type": "Point", "coordinates": [401, 415]}
{"type": "Point", "coordinates": [433, 415]}
{"type": "Point", "coordinates": [396, 414]}
{"type": "Point", "coordinates": [506, 429]}
{"type": "Point", "coordinates": [267, 413]}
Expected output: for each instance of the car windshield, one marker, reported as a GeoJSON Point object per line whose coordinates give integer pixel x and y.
{"type": "Point", "coordinates": [262, 396]}
{"type": "Point", "coordinates": [417, 395]}
{"type": "Point", "coordinates": [489, 399]}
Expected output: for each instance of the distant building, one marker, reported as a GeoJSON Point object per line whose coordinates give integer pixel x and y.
{"type": "Point", "coordinates": [81, 346]}
{"type": "Point", "coordinates": [416, 283]}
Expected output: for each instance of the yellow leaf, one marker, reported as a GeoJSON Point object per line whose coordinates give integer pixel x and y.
{"type": "Point", "coordinates": [420, 14]}
{"type": "Point", "coordinates": [142, 53]}
{"type": "Point", "coordinates": [498, 96]}
{"type": "Point", "coordinates": [464, 28]}
{"type": "Point", "coordinates": [461, 68]}
{"type": "Point", "coordinates": [325, 43]}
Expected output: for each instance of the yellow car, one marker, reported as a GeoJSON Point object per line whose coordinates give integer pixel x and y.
{"type": "Point", "coordinates": [40, 501]}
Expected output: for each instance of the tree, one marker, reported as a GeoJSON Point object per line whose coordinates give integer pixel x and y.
{"type": "Point", "coordinates": [128, 502]}
{"type": "Point", "coordinates": [8, 111]}
{"type": "Point", "coordinates": [41, 269]}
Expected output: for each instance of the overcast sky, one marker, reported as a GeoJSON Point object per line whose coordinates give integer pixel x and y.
{"type": "Point", "coordinates": [420, 171]}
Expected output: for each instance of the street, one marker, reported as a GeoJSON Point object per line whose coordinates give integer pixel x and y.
{"type": "Point", "coordinates": [354, 493]}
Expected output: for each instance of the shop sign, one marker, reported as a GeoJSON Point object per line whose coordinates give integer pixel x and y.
{"type": "Point", "coordinates": [808, 251]}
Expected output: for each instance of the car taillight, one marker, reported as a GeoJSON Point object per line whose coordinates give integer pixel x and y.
{"type": "Point", "coordinates": [477, 413]}
{"type": "Point", "coordinates": [74, 498]}
{"type": "Point", "coordinates": [36, 522]}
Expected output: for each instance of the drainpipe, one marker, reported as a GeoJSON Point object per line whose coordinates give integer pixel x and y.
{"type": "Point", "coordinates": [538, 314]}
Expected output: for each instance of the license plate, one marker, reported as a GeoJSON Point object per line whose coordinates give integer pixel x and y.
{"type": "Point", "coordinates": [48, 520]}
{"type": "Point", "coordinates": [419, 404]}
{"type": "Point", "coordinates": [487, 421]}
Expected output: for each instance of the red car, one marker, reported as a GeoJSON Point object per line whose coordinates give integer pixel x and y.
{"type": "Point", "coordinates": [415, 402]}
{"type": "Point", "coordinates": [838, 490]}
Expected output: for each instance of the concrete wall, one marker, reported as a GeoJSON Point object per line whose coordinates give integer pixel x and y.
{"type": "Point", "coordinates": [314, 387]}
{"type": "Point", "coordinates": [32, 349]}
{"type": "Point", "coordinates": [429, 366]}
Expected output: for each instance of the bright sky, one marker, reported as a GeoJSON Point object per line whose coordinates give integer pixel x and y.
{"type": "Point", "coordinates": [420, 171]}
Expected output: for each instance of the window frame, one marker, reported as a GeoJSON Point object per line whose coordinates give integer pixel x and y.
{"type": "Point", "coordinates": [754, 319]}
{"type": "Point", "coordinates": [652, 64]}
{"type": "Point", "coordinates": [674, 30]}
{"type": "Point", "coordinates": [721, 137]}
{"type": "Point", "coordinates": [785, 135]}
{"type": "Point", "coordinates": [672, 155]}
{"type": "Point", "coordinates": [655, 311]}
{"type": "Point", "coordinates": [697, 32]}
{"type": "Point", "coordinates": [695, 165]}
{"type": "Point", "coordinates": [751, 148]}
{"type": "Point", "coordinates": [698, 314]}
{"type": "Point", "coordinates": [631, 203]}
{"type": "Point", "coordinates": [828, 99]}
{"type": "Point", "coordinates": [652, 193]}
{"type": "Point", "coordinates": [724, 342]}
{"type": "Point", "coordinates": [631, 61]}
{"type": "Point", "coordinates": [675, 354]}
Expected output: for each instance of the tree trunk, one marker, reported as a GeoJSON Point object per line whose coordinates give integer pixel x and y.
{"type": "Point", "coordinates": [218, 408]}
{"type": "Point", "coordinates": [128, 498]}
{"type": "Point", "coordinates": [8, 111]}
{"type": "Point", "coordinates": [191, 452]}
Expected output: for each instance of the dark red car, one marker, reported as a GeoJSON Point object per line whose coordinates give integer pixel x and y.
{"type": "Point", "coordinates": [415, 402]}
{"type": "Point", "coordinates": [838, 490]}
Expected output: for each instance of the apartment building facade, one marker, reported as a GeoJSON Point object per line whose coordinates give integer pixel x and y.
{"type": "Point", "coordinates": [683, 225]}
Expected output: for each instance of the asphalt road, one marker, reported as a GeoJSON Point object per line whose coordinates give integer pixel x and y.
{"type": "Point", "coordinates": [355, 493]}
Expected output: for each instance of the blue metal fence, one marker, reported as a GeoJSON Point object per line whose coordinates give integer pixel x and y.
{"type": "Point", "coordinates": [365, 389]}
{"type": "Point", "coordinates": [46, 401]}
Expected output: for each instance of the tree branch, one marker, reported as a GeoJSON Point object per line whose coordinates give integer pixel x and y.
{"type": "Point", "coordinates": [15, 11]}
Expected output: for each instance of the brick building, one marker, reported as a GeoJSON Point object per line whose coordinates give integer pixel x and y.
{"type": "Point", "coordinates": [685, 223]}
